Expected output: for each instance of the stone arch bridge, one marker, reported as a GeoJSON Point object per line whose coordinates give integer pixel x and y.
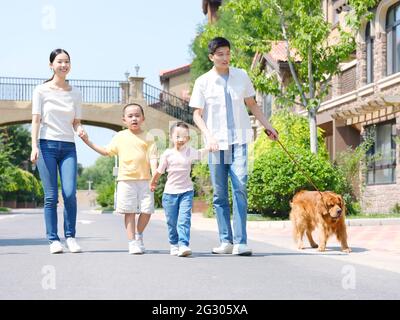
{"type": "Point", "coordinates": [102, 102]}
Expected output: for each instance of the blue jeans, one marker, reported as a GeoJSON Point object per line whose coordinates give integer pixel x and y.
{"type": "Point", "coordinates": [178, 211]}
{"type": "Point", "coordinates": [233, 163]}
{"type": "Point", "coordinates": [58, 156]}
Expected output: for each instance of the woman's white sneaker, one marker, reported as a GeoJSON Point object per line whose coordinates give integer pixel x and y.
{"type": "Point", "coordinates": [56, 247]}
{"type": "Point", "coordinates": [73, 246]}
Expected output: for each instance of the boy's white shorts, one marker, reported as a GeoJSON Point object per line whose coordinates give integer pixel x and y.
{"type": "Point", "coordinates": [134, 196]}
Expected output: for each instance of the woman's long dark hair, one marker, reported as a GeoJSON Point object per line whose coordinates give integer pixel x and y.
{"type": "Point", "coordinates": [53, 56]}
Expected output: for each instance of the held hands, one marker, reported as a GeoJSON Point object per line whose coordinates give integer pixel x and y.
{"type": "Point", "coordinates": [153, 185]}
{"type": "Point", "coordinates": [82, 134]}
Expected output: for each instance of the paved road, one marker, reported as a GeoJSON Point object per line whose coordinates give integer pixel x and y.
{"type": "Point", "coordinates": [106, 271]}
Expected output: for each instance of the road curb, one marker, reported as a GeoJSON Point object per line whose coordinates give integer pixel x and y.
{"type": "Point", "coordinates": [349, 222]}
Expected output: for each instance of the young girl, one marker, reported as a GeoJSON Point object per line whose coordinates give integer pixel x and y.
{"type": "Point", "coordinates": [178, 192]}
{"type": "Point", "coordinates": [56, 113]}
{"type": "Point", "coordinates": [137, 153]}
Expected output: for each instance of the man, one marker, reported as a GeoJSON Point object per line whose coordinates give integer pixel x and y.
{"type": "Point", "coordinates": [220, 97]}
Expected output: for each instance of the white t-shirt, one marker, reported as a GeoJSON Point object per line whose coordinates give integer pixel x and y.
{"type": "Point", "coordinates": [57, 110]}
{"type": "Point", "coordinates": [209, 95]}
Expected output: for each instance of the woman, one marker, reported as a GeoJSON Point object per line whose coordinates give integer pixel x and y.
{"type": "Point", "coordinates": [56, 113]}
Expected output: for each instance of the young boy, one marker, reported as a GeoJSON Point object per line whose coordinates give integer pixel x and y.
{"type": "Point", "coordinates": [137, 153]}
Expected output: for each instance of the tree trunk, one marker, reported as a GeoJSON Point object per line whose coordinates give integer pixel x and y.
{"type": "Point", "coordinates": [312, 120]}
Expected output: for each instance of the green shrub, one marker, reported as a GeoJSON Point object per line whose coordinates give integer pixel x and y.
{"type": "Point", "coordinates": [105, 195]}
{"type": "Point", "coordinates": [159, 191]}
{"type": "Point", "coordinates": [395, 209]}
{"type": "Point", "coordinates": [276, 178]}
{"type": "Point", "coordinates": [201, 180]}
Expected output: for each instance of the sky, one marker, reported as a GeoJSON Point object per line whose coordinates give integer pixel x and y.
{"type": "Point", "coordinates": [104, 39]}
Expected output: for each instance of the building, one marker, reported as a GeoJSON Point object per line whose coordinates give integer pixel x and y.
{"type": "Point", "coordinates": [364, 97]}
{"type": "Point", "coordinates": [177, 82]}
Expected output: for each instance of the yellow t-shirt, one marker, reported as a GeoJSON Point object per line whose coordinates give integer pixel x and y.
{"type": "Point", "coordinates": [134, 152]}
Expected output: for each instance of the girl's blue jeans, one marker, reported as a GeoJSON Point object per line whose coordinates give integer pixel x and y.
{"type": "Point", "coordinates": [178, 211]}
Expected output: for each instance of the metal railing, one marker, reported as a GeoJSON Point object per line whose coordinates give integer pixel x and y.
{"type": "Point", "coordinates": [100, 91]}
{"type": "Point", "coordinates": [168, 103]}
{"type": "Point", "coordinates": [93, 91]}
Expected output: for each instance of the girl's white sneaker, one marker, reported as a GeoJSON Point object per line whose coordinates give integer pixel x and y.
{"type": "Point", "coordinates": [56, 247]}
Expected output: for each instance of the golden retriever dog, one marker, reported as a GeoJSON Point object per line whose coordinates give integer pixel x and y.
{"type": "Point", "coordinates": [327, 213]}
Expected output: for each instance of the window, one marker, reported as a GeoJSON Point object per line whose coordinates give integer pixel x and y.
{"type": "Point", "coordinates": [381, 168]}
{"type": "Point", "coordinates": [369, 41]}
{"type": "Point", "coordinates": [393, 39]}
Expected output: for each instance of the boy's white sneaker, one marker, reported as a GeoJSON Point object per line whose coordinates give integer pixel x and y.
{"type": "Point", "coordinates": [224, 248]}
{"type": "Point", "coordinates": [184, 251]}
{"type": "Point", "coordinates": [134, 247]}
{"type": "Point", "coordinates": [241, 250]}
{"type": "Point", "coordinates": [73, 246]}
{"type": "Point", "coordinates": [174, 250]}
{"type": "Point", "coordinates": [56, 247]}
{"type": "Point", "coordinates": [141, 243]}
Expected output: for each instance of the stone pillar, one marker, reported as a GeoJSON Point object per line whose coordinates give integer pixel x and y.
{"type": "Point", "coordinates": [125, 92]}
{"type": "Point", "coordinates": [380, 56]}
{"type": "Point", "coordinates": [361, 65]}
{"type": "Point", "coordinates": [135, 89]}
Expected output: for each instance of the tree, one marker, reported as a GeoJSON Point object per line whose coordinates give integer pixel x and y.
{"type": "Point", "coordinates": [99, 173]}
{"type": "Point", "coordinates": [14, 181]}
{"type": "Point", "coordinates": [224, 26]}
{"type": "Point", "coordinates": [17, 139]}
{"type": "Point", "coordinates": [308, 37]}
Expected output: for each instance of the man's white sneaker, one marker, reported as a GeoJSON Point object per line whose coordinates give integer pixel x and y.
{"type": "Point", "coordinates": [174, 250]}
{"type": "Point", "coordinates": [241, 250]}
{"type": "Point", "coordinates": [134, 247]}
{"type": "Point", "coordinates": [184, 251]}
{"type": "Point", "coordinates": [224, 248]}
{"type": "Point", "coordinates": [56, 247]}
{"type": "Point", "coordinates": [73, 246]}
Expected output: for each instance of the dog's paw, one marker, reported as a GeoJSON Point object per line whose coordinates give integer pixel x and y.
{"type": "Point", "coordinates": [314, 246]}
{"type": "Point", "coordinates": [347, 250]}
{"type": "Point", "coordinates": [321, 249]}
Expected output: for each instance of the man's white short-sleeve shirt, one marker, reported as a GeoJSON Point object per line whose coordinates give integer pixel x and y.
{"type": "Point", "coordinates": [208, 94]}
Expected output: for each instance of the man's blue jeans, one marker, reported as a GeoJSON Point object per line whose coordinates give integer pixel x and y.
{"type": "Point", "coordinates": [58, 156]}
{"type": "Point", "coordinates": [233, 163]}
{"type": "Point", "coordinates": [178, 211]}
